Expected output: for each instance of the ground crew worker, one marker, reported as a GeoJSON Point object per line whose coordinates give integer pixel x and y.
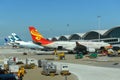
{"type": "Point", "coordinates": [55, 54]}
{"type": "Point", "coordinates": [20, 74]}
{"type": "Point", "coordinates": [55, 51]}
{"type": "Point", "coordinates": [23, 71]}
{"type": "Point", "coordinates": [104, 51]}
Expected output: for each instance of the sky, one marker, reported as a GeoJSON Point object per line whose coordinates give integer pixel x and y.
{"type": "Point", "coordinates": [57, 17]}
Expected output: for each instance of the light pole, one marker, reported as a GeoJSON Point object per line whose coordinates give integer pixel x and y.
{"type": "Point", "coordinates": [68, 28]}
{"type": "Point", "coordinates": [99, 18]}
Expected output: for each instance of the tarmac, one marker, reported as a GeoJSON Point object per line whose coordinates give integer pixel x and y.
{"type": "Point", "coordinates": [86, 72]}
{"type": "Point", "coordinates": [35, 74]}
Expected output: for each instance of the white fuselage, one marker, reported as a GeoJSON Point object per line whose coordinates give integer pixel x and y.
{"type": "Point", "coordinates": [28, 45]}
{"type": "Point", "coordinates": [71, 45]}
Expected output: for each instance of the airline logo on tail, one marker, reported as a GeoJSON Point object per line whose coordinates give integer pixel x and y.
{"type": "Point", "coordinates": [37, 37]}
{"type": "Point", "coordinates": [16, 37]}
{"type": "Point", "coordinates": [11, 39]}
{"type": "Point", "coordinates": [36, 33]}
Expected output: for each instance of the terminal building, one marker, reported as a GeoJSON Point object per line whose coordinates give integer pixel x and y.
{"type": "Point", "coordinates": [111, 36]}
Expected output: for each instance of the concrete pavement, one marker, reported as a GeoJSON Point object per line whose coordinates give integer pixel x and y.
{"type": "Point", "coordinates": [85, 72]}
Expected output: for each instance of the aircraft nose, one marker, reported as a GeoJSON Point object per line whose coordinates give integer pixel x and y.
{"type": "Point", "coordinates": [110, 46]}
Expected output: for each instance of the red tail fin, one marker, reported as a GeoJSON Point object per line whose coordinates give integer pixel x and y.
{"type": "Point", "coordinates": [37, 37]}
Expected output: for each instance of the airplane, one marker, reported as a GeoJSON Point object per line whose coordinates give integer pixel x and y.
{"type": "Point", "coordinates": [11, 41]}
{"type": "Point", "coordinates": [68, 45]}
{"type": "Point", "coordinates": [7, 42]}
{"type": "Point", "coordinates": [15, 40]}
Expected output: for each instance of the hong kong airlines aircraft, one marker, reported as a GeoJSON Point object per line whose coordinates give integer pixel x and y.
{"type": "Point", "coordinates": [69, 45]}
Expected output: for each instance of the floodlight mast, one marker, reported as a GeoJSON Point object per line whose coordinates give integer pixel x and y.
{"type": "Point", "coordinates": [99, 18]}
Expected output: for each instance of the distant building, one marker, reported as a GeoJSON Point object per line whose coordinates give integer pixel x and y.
{"type": "Point", "coordinates": [111, 36]}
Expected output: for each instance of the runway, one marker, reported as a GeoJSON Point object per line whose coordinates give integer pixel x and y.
{"type": "Point", "coordinates": [85, 72]}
